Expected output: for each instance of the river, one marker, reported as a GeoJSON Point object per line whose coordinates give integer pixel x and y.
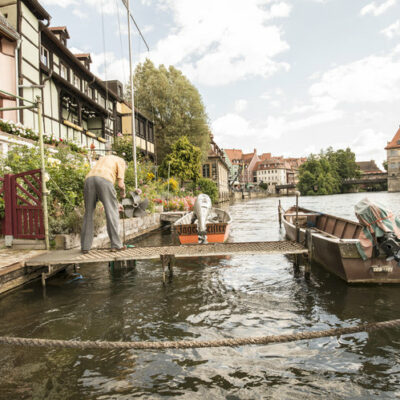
{"type": "Point", "coordinates": [207, 299]}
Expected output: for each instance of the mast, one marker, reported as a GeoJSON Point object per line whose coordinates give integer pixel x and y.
{"type": "Point", "coordinates": [133, 125]}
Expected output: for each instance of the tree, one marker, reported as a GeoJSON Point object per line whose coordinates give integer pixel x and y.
{"type": "Point", "coordinates": [325, 172]}
{"type": "Point", "coordinates": [344, 162]}
{"type": "Point", "coordinates": [166, 95]}
{"type": "Point", "coordinates": [183, 162]}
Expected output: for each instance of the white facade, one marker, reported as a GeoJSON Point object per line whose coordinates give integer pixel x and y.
{"type": "Point", "coordinates": [271, 176]}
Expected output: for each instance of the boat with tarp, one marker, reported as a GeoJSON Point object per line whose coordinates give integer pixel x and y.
{"type": "Point", "coordinates": [367, 251]}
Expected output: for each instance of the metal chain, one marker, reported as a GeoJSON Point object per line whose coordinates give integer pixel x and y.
{"type": "Point", "coordinates": [191, 344]}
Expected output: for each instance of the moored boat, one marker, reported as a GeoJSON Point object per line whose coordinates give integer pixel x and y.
{"type": "Point", "coordinates": [366, 252]}
{"type": "Point", "coordinates": [205, 224]}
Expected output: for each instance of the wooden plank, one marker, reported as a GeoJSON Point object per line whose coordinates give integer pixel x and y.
{"type": "Point", "coordinates": [74, 256]}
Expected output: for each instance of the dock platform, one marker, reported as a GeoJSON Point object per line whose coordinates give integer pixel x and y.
{"type": "Point", "coordinates": [63, 257]}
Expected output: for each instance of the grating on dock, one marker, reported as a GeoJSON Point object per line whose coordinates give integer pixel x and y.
{"type": "Point", "coordinates": [61, 257]}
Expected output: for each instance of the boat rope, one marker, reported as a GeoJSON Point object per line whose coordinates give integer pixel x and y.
{"type": "Point", "coordinates": [197, 344]}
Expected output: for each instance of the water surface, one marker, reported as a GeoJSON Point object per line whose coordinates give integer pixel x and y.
{"type": "Point", "coordinates": [207, 299]}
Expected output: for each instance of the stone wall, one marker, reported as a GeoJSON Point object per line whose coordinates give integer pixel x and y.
{"type": "Point", "coordinates": [134, 227]}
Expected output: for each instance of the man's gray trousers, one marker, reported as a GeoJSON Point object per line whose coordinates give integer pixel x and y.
{"type": "Point", "coordinates": [97, 188]}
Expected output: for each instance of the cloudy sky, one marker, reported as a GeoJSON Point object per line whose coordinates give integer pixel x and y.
{"type": "Point", "coordinates": [288, 77]}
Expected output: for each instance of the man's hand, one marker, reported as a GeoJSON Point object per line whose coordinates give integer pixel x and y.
{"type": "Point", "coordinates": [121, 186]}
{"type": "Point", "coordinates": [120, 208]}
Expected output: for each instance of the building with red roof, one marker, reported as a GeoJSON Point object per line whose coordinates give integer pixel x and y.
{"type": "Point", "coordinates": [393, 161]}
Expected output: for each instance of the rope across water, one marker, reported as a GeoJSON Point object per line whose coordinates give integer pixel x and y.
{"type": "Point", "coordinates": [196, 344]}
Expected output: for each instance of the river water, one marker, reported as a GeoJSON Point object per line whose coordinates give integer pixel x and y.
{"type": "Point", "coordinates": [207, 299]}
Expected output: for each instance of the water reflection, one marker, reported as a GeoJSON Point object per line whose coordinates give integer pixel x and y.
{"type": "Point", "coordinates": [207, 299]}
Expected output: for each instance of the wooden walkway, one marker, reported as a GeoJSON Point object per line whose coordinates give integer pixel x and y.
{"type": "Point", "coordinates": [63, 257]}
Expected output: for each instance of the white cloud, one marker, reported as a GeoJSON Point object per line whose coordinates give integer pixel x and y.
{"type": "Point", "coordinates": [212, 42]}
{"type": "Point", "coordinates": [240, 105]}
{"type": "Point", "coordinates": [63, 4]}
{"type": "Point", "coordinates": [77, 12]}
{"type": "Point", "coordinates": [368, 145]}
{"type": "Point", "coordinates": [376, 10]}
{"type": "Point", "coordinates": [392, 30]}
{"type": "Point", "coordinates": [102, 6]}
{"type": "Point", "coordinates": [108, 67]}
{"type": "Point", "coordinates": [371, 79]}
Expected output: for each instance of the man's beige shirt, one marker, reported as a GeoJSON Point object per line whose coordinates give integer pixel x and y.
{"type": "Point", "coordinates": [109, 167]}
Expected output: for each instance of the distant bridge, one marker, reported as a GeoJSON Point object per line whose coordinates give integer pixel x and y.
{"type": "Point", "coordinates": [367, 179]}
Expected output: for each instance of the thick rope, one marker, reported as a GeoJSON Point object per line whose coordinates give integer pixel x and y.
{"type": "Point", "coordinates": [191, 344]}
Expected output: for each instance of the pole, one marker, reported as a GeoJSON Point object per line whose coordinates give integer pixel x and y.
{"type": "Point", "coordinates": [280, 214]}
{"type": "Point", "coordinates": [297, 218]}
{"type": "Point", "coordinates": [43, 169]}
{"type": "Point", "coordinates": [169, 166]}
{"type": "Point", "coordinates": [133, 126]}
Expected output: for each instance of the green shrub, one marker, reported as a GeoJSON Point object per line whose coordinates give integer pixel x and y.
{"type": "Point", "coordinates": [207, 186]}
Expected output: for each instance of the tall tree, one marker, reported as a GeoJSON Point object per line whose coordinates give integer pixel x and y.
{"type": "Point", "coordinates": [183, 162]}
{"type": "Point", "coordinates": [168, 97]}
{"type": "Point", "coordinates": [325, 172]}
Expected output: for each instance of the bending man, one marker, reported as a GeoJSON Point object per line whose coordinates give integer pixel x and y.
{"type": "Point", "coordinates": [99, 185]}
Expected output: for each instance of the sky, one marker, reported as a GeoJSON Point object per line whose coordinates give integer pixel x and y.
{"type": "Point", "coordinates": [289, 77]}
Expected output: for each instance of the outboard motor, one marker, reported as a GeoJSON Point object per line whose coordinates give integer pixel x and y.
{"type": "Point", "coordinates": [381, 232]}
{"type": "Point", "coordinates": [390, 245]}
{"type": "Point", "coordinates": [202, 209]}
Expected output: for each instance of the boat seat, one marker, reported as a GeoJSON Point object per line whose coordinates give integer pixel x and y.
{"type": "Point", "coordinates": [303, 214]}
{"type": "Point", "coordinates": [316, 230]}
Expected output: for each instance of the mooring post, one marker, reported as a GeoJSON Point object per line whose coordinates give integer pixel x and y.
{"type": "Point", "coordinates": [280, 214]}
{"type": "Point", "coordinates": [163, 262]}
{"type": "Point", "coordinates": [171, 264]}
{"type": "Point", "coordinates": [307, 266]}
{"type": "Point", "coordinates": [297, 217]}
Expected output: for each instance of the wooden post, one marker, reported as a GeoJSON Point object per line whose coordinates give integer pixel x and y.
{"type": "Point", "coordinates": [280, 214]}
{"type": "Point", "coordinates": [163, 262]}
{"type": "Point", "coordinates": [307, 267]}
{"type": "Point", "coordinates": [171, 264]}
{"type": "Point", "coordinates": [297, 218]}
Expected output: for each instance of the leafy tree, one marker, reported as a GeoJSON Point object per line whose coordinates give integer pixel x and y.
{"type": "Point", "coordinates": [324, 173]}
{"type": "Point", "coordinates": [175, 104]}
{"type": "Point", "coordinates": [344, 162]}
{"type": "Point", "coordinates": [385, 165]}
{"type": "Point", "coordinates": [184, 161]}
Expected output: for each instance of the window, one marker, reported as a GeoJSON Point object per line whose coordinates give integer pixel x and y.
{"type": "Point", "coordinates": [214, 171]}
{"type": "Point", "coordinates": [63, 71]}
{"type": "Point", "coordinates": [206, 170]}
{"type": "Point", "coordinates": [102, 101]}
{"type": "Point", "coordinates": [85, 87]}
{"type": "Point", "coordinates": [44, 56]}
{"type": "Point", "coordinates": [76, 81]}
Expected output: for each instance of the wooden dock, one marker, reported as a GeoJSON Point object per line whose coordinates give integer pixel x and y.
{"type": "Point", "coordinates": [75, 256]}
{"type": "Point", "coordinates": [19, 267]}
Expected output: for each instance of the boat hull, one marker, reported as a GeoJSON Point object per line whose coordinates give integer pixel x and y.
{"type": "Point", "coordinates": [341, 258]}
{"type": "Point", "coordinates": [216, 233]}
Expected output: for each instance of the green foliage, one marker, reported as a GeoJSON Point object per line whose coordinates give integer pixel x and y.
{"type": "Point", "coordinates": [207, 186]}
{"type": "Point", "coordinates": [67, 171]}
{"type": "Point", "coordinates": [263, 186]}
{"type": "Point", "coordinates": [385, 165]}
{"type": "Point", "coordinates": [324, 173]}
{"type": "Point", "coordinates": [184, 161]}
{"type": "Point", "coordinates": [168, 97]}
{"type": "Point", "coordinates": [123, 147]}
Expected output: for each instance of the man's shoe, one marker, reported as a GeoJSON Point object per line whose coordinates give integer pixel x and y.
{"type": "Point", "coordinates": [84, 251]}
{"type": "Point", "coordinates": [114, 249]}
